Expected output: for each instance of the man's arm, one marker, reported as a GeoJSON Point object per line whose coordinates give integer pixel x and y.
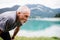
{"type": "Point", "coordinates": [15, 32]}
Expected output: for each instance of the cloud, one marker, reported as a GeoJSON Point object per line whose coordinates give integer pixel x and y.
{"type": "Point", "coordinates": [48, 3]}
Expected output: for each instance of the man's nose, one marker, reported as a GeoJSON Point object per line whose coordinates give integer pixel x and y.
{"type": "Point", "coordinates": [25, 19]}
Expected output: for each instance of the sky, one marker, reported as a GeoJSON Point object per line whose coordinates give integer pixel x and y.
{"type": "Point", "coordinates": [49, 3]}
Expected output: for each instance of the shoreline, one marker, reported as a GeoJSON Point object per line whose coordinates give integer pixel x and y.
{"type": "Point", "coordinates": [49, 32]}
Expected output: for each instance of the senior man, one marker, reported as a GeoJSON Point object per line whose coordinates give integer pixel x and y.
{"type": "Point", "coordinates": [11, 20]}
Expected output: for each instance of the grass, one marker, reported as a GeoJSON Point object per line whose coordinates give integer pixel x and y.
{"type": "Point", "coordinates": [35, 38]}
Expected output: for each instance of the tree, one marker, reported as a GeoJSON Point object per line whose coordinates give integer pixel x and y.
{"type": "Point", "coordinates": [57, 15]}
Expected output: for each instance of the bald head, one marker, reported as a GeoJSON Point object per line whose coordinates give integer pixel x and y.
{"type": "Point", "coordinates": [23, 9]}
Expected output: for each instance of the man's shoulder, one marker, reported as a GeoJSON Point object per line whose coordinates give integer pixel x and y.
{"type": "Point", "coordinates": [9, 15]}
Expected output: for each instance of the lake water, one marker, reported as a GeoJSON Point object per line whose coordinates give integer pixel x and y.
{"type": "Point", "coordinates": [35, 25]}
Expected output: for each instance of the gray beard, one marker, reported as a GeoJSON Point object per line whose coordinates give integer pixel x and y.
{"type": "Point", "coordinates": [22, 22]}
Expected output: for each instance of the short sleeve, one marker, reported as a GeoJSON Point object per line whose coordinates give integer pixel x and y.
{"type": "Point", "coordinates": [8, 25]}
{"type": "Point", "coordinates": [2, 23]}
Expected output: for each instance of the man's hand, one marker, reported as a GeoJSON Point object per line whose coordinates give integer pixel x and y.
{"type": "Point", "coordinates": [12, 39]}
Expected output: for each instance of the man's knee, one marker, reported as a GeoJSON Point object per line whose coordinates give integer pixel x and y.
{"type": "Point", "coordinates": [5, 36]}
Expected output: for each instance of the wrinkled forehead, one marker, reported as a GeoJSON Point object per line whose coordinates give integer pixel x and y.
{"type": "Point", "coordinates": [26, 13]}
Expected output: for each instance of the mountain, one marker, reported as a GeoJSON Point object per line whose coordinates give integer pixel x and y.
{"type": "Point", "coordinates": [36, 10]}
{"type": "Point", "coordinates": [57, 10]}
{"type": "Point", "coordinates": [42, 11]}
{"type": "Point", "coordinates": [14, 8]}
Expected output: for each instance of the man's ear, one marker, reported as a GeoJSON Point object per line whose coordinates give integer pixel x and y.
{"type": "Point", "coordinates": [19, 12]}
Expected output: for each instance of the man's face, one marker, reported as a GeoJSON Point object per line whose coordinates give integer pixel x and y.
{"type": "Point", "coordinates": [23, 17]}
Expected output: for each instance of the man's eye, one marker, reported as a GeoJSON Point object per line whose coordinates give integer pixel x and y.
{"type": "Point", "coordinates": [26, 16]}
